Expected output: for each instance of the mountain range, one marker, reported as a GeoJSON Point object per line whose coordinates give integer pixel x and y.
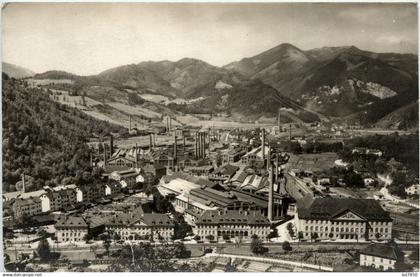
{"type": "Point", "coordinates": [16, 71]}
{"type": "Point", "coordinates": [329, 82]}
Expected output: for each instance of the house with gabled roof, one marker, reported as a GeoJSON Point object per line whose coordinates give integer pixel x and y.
{"type": "Point", "coordinates": [238, 224]}
{"type": "Point", "coordinates": [71, 229]}
{"type": "Point", "coordinates": [380, 256]}
{"type": "Point", "coordinates": [140, 226]}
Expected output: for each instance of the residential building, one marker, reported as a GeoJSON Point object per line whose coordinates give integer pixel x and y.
{"type": "Point", "coordinates": [71, 229]}
{"type": "Point", "coordinates": [412, 190]}
{"type": "Point", "coordinates": [223, 173]}
{"type": "Point", "coordinates": [342, 218]}
{"type": "Point", "coordinates": [238, 224]}
{"type": "Point", "coordinates": [380, 256]}
{"type": "Point", "coordinates": [233, 155]}
{"type": "Point", "coordinates": [155, 169]}
{"type": "Point", "coordinates": [24, 208]}
{"type": "Point", "coordinates": [204, 170]}
{"type": "Point", "coordinates": [90, 193]}
{"type": "Point", "coordinates": [112, 188]}
{"type": "Point", "coordinates": [127, 178]}
{"type": "Point", "coordinates": [139, 226]}
{"type": "Point", "coordinates": [62, 197]}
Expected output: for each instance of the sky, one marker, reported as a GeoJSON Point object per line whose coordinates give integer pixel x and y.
{"type": "Point", "coordinates": [86, 38]}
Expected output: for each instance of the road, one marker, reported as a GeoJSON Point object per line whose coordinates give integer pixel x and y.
{"type": "Point", "coordinates": [273, 261]}
{"type": "Point", "coordinates": [392, 198]}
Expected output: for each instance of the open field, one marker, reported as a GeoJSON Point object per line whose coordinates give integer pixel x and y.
{"type": "Point", "coordinates": [42, 82]}
{"type": "Point", "coordinates": [312, 162]}
{"type": "Point", "coordinates": [353, 193]}
{"type": "Point", "coordinates": [157, 98]}
{"type": "Point", "coordinates": [134, 110]}
{"type": "Point", "coordinates": [193, 121]}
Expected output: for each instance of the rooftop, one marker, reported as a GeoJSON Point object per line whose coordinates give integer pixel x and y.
{"type": "Point", "coordinates": [330, 208]}
{"type": "Point", "coordinates": [71, 221]}
{"type": "Point", "coordinates": [233, 217]}
{"type": "Point", "coordinates": [381, 250]}
{"type": "Point", "coordinates": [226, 170]}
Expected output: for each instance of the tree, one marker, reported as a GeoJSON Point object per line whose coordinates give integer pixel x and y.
{"type": "Point", "coordinates": [286, 246]}
{"type": "Point", "coordinates": [87, 238]}
{"type": "Point", "coordinates": [377, 236]}
{"type": "Point", "coordinates": [210, 237]}
{"type": "Point", "coordinates": [181, 228]}
{"type": "Point", "coordinates": [197, 238]}
{"type": "Point", "coordinates": [300, 235]}
{"type": "Point", "coordinates": [290, 229]}
{"type": "Point", "coordinates": [257, 246]}
{"type": "Point", "coordinates": [226, 237]}
{"type": "Point", "coordinates": [414, 256]}
{"type": "Point", "coordinates": [230, 266]}
{"type": "Point", "coordinates": [117, 237]}
{"type": "Point", "coordinates": [354, 180]}
{"type": "Point", "coordinates": [273, 234]}
{"type": "Point", "coordinates": [330, 235]}
{"type": "Point", "coordinates": [44, 250]}
{"type": "Point", "coordinates": [6, 258]}
{"type": "Point", "coordinates": [106, 243]}
{"type": "Point", "coordinates": [147, 258]}
{"type": "Point", "coordinates": [219, 159]}
{"type": "Point", "coordinates": [314, 236]}
{"type": "Point", "coordinates": [180, 251]}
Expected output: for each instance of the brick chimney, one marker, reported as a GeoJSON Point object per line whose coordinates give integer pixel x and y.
{"type": "Point", "coordinates": [270, 194]}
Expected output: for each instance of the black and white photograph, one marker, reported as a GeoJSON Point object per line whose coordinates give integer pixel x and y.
{"type": "Point", "coordinates": [210, 137]}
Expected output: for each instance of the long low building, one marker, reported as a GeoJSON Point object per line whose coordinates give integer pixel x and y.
{"type": "Point", "coordinates": [177, 186]}
{"type": "Point", "coordinates": [338, 218]}
{"type": "Point", "coordinates": [240, 224]}
{"type": "Point", "coordinates": [190, 208]}
{"type": "Point", "coordinates": [139, 226]}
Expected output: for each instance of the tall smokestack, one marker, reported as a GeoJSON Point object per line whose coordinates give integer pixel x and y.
{"type": "Point", "coordinates": [279, 121]}
{"type": "Point", "coordinates": [290, 132]}
{"type": "Point", "coordinates": [91, 158]}
{"type": "Point", "coordinates": [167, 125]}
{"type": "Point", "coordinates": [290, 137]}
{"type": "Point", "coordinates": [270, 194]}
{"type": "Point", "coordinates": [154, 140]}
{"type": "Point", "coordinates": [203, 145]}
{"type": "Point", "coordinates": [263, 144]}
{"type": "Point", "coordinates": [130, 123]}
{"type": "Point", "coordinates": [105, 154]}
{"type": "Point", "coordinates": [196, 145]}
{"type": "Point", "coordinates": [175, 150]}
{"type": "Point", "coordinates": [150, 142]}
{"type": "Point", "coordinates": [170, 124]}
{"type": "Point", "coordinates": [200, 144]}
{"type": "Point", "coordinates": [136, 156]}
{"type": "Point", "coordinates": [23, 183]}
{"type": "Point", "coordinates": [111, 145]}
{"type": "Point", "coordinates": [268, 158]}
{"type": "Point", "coordinates": [277, 168]}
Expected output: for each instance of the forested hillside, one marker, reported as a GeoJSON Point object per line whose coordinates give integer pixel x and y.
{"type": "Point", "coordinates": [43, 139]}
